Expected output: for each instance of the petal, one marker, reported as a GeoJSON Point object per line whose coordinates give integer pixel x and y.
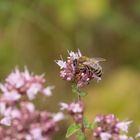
{"type": "Point", "coordinates": [48, 90]}
{"type": "Point", "coordinates": [6, 121]}
{"type": "Point", "coordinates": [58, 117]}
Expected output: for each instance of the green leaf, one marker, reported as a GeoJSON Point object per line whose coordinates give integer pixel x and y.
{"type": "Point", "coordinates": [93, 125]}
{"type": "Point", "coordinates": [81, 136]}
{"type": "Point", "coordinates": [74, 88]}
{"type": "Point", "coordinates": [82, 93]}
{"type": "Point", "coordinates": [74, 91]}
{"type": "Point", "coordinates": [86, 122]}
{"type": "Point", "coordinates": [72, 129]}
{"type": "Point", "coordinates": [89, 125]}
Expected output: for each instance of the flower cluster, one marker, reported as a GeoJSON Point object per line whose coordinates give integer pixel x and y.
{"type": "Point", "coordinates": [16, 85]}
{"type": "Point", "coordinates": [75, 109]}
{"type": "Point", "coordinates": [77, 69]}
{"type": "Point", "coordinates": [30, 124]}
{"type": "Point", "coordinates": [80, 70]}
{"type": "Point", "coordinates": [24, 121]}
{"type": "Point", "coordinates": [20, 83]}
{"type": "Point", "coordinates": [108, 127]}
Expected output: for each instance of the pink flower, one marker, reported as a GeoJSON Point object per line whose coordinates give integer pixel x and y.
{"type": "Point", "coordinates": [36, 133]}
{"type": "Point", "coordinates": [15, 113]}
{"type": "Point", "coordinates": [77, 69]}
{"type": "Point", "coordinates": [123, 137]}
{"type": "Point", "coordinates": [6, 121]}
{"type": "Point", "coordinates": [24, 120]}
{"type": "Point", "coordinates": [16, 79]}
{"type": "Point", "coordinates": [58, 116]}
{"type": "Point", "coordinates": [72, 107]}
{"type": "Point", "coordinates": [123, 126]}
{"type": "Point", "coordinates": [75, 109]}
{"type": "Point", "coordinates": [28, 105]}
{"type": "Point", "coordinates": [61, 63]}
{"type": "Point", "coordinates": [2, 107]}
{"type": "Point", "coordinates": [23, 83]}
{"type": "Point", "coordinates": [28, 123]}
{"type": "Point", "coordinates": [105, 136]}
{"type": "Point", "coordinates": [109, 127]}
{"type": "Point", "coordinates": [33, 90]}
{"type": "Point", "coordinates": [48, 90]}
{"type": "Point", "coordinates": [63, 106]}
{"type": "Point", "coordinates": [12, 95]}
{"type": "Point", "coordinates": [74, 55]}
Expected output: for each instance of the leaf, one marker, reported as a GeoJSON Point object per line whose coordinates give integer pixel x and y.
{"type": "Point", "coordinates": [72, 129]}
{"type": "Point", "coordinates": [74, 88]}
{"type": "Point", "coordinates": [81, 136]}
{"type": "Point", "coordinates": [89, 125]}
{"type": "Point", "coordinates": [82, 93]}
{"type": "Point", "coordinates": [86, 122]}
{"type": "Point", "coordinates": [93, 125]}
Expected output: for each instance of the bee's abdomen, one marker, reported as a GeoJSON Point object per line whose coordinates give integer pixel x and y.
{"type": "Point", "coordinates": [98, 72]}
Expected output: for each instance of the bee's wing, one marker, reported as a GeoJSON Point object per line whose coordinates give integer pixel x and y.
{"type": "Point", "coordinates": [94, 60]}
{"type": "Point", "coordinates": [98, 59]}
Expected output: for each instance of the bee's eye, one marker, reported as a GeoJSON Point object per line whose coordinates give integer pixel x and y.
{"type": "Point", "coordinates": [75, 62]}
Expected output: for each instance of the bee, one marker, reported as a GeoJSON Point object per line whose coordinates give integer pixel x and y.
{"type": "Point", "coordinates": [89, 64]}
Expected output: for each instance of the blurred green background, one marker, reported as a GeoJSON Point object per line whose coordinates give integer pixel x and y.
{"type": "Point", "coordinates": [36, 32]}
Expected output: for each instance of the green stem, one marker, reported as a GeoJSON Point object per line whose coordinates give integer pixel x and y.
{"type": "Point", "coordinates": [77, 91]}
{"type": "Point", "coordinates": [82, 122]}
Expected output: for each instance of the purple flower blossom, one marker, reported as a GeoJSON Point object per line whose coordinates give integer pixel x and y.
{"type": "Point", "coordinates": [123, 126]}
{"type": "Point", "coordinates": [16, 85]}
{"type": "Point", "coordinates": [75, 109]}
{"type": "Point", "coordinates": [77, 69]}
{"type": "Point", "coordinates": [6, 121]}
{"type": "Point", "coordinates": [105, 136]}
{"type": "Point", "coordinates": [30, 124]}
{"type": "Point", "coordinates": [23, 83]}
{"type": "Point", "coordinates": [24, 121]}
{"type": "Point", "coordinates": [58, 116]}
{"type": "Point", "coordinates": [108, 127]}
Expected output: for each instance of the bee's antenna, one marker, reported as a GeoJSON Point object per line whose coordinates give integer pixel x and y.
{"type": "Point", "coordinates": [68, 51]}
{"type": "Point", "coordinates": [79, 52]}
{"type": "Point", "coordinates": [61, 57]}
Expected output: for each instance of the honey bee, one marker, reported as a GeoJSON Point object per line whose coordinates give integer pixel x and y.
{"type": "Point", "coordinates": [89, 64]}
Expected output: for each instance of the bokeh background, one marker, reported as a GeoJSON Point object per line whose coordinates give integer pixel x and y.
{"type": "Point", "coordinates": [36, 32]}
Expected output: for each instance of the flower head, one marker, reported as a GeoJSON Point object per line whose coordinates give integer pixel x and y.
{"type": "Point", "coordinates": [18, 84]}
{"type": "Point", "coordinates": [24, 121]}
{"type": "Point", "coordinates": [75, 109]}
{"type": "Point", "coordinates": [29, 123]}
{"type": "Point", "coordinates": [23, 83]}
{"type": "Point", "coordinates": [79, 69]}
{"type": "Point", "coordinates": [123, 126]}
{"type": "Point", "coordinates": [108, 127]}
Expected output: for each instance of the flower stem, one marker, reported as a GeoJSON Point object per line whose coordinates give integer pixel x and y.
{"type": "Point", "coordinates": [78, 92]}
{"type": "Point", "coordinates": [82, 119]}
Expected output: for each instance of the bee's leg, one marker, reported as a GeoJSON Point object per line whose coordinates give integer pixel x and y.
{"type": "Point", "coordinates": [96, 77]}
